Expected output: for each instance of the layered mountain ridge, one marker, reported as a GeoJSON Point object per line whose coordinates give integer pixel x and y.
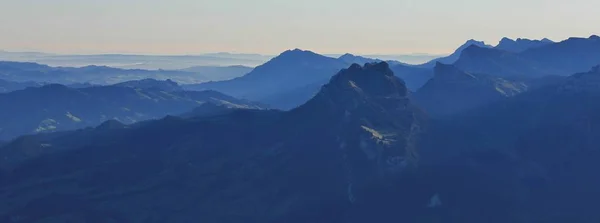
{"type": "Point", "coordinates": [358, 132]}
{"type": "Point", "coordinates": [56, 107]}
{"type": "Point", "coordinates": [452, 90]}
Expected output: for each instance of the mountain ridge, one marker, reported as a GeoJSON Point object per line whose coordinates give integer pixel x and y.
{"type": "Point", "coordinates": [349, 154]}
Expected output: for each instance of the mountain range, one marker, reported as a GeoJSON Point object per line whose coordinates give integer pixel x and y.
{"type": "Point", "coordinates": [103, 75]}
{"type": "Point", "coordinates": [358, 131]}
{"type": "Point", "coordinates": [133, 61]}
{"type": "Point", "coordinates": [562, 58]}
{"type": "Point", "coordinates": [358, 151]}
{"type": "Point", "coordinates": [57, 107]}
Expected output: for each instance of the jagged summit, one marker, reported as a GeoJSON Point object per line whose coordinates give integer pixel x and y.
{"type": "Point", "coordinates": [370, 79]}
{"type": "Point", "coordinates": [370, 91]}
{"type": "Point", "coordinates": [521, 44]}
{"type": "Point", "coordinates": [366, 108]}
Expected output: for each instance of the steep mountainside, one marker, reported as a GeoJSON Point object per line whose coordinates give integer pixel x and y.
{"type": "Point", "coordinates": [452, 91]}
{"type": "Point", "coordinates": [324, 161]}
{"type": "Point", "coordinates": [532, 158]}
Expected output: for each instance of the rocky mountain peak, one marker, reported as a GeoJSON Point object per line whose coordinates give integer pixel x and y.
{"type": "Point", "coordinates": [369, 96]}
{"type": "Point", "coordinates": [366, 110]}
{"type": "Point", "coordinates": [370, 80]}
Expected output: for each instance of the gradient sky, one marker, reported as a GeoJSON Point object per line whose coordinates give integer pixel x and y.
{"type": "Point", "coordinates": [271, 26]}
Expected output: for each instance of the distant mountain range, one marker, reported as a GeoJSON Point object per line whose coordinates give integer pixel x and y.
{"type": "Point", "coordinates": [167, 85]}
{"type": "Point", "coordinates": [214, 73]}
{"type": "Point", "coordinates": [520, 44]}
{"type": "Point", "coordinates": [562, 58]}
{"type": "Point", "coordinates": [17, 71]}
{"type": "Point", "coordinates": [293, 77]}
{"type": "Point", "coordinates": [102, 75]}
{"type": "Point", "coordinates": [57, 107]}
{"type": "Point", "coordinates": [131, 61]}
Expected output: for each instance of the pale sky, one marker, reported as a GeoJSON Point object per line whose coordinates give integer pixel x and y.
{"type": "Point", "coordinates": [272, 26]}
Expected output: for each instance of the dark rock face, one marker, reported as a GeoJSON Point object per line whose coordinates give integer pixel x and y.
{"type": "Point", "coordinates": [321, 162]}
